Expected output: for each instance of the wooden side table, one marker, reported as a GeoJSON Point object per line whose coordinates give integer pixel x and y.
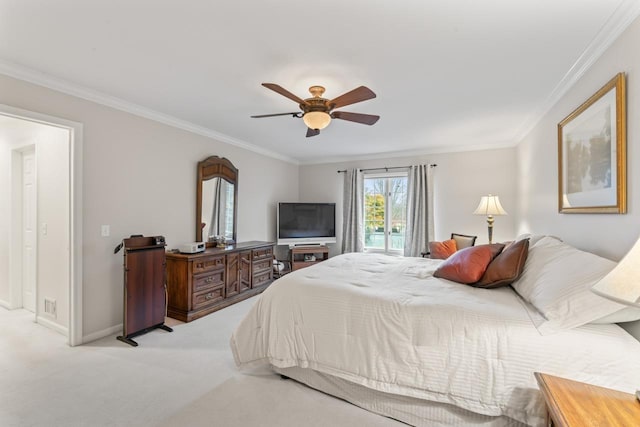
{"type": "Point", "coordinates": [304, 256]}
{"type": "Point", "coordinates": [572, 403]}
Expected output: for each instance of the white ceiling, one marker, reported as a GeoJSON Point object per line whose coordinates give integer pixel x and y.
{"type": "Point", "coordinates": [449, 75]}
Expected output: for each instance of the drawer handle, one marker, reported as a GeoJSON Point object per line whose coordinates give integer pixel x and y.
{"type": "Point", "coordinates": [208, 279]}
{"type": "Point", "coordinates": [209, 295]}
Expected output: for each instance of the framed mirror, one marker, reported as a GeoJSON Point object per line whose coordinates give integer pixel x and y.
{"type": "Point", "coordinates": [216, 200]}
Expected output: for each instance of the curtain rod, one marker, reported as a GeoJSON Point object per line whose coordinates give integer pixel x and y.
{"type": "Point", "coordinates": [386, 169]}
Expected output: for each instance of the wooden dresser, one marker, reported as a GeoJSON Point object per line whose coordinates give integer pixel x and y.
{"type": "Point", "coordinates": [199, 284]}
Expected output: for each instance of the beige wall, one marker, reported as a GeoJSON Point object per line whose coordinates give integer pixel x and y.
{"type": "Point", "coordinates": [139, 178]}
{"type": "Point", "coordinates": [460, 179]}
{"type": "Point", "coordinates": [607, 235]}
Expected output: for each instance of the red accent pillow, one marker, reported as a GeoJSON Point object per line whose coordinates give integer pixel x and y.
{"type": "Point", "coordinates": [468, 264]}
{"type": "Point", "coordinates": [507, 267]}
{"type": "Point", "coordinates": [442, 250]}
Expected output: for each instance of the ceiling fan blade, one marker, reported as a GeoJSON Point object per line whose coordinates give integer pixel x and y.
{"type": "Point", "coordinates": [294, 114]}
{"type": "Point", "coordinates": [312, 132]}
{"type": "Point", "coordinates": [282, 91]}
{"type": "Point", "coordinates": [359, 94]}
{"type": "Point", "coordinates": [365, 119]}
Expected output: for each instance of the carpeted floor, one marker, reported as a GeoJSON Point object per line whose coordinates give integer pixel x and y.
{"type": "Point", "coordinates": [183, 378]}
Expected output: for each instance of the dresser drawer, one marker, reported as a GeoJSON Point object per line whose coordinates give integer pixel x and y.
{"type": "Point", "coordinates": [208, 297]}
{"type": "Point", "coordinates": [201, 265]}
{"type": "Point", "coordinates": [263, 253]}
{"type": "Point", "coordinates": [208, 280]}
{"type": "Point", "coordinates": [265, 264]}
{"type": "Point", "coordinates": [260, 279]}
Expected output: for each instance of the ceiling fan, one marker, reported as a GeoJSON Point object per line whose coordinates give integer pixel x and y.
{"type": "Point", "coordinates": [317, 111]}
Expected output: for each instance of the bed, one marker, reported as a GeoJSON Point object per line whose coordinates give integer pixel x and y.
{"type": "Point", "coordinates": [383, 333]}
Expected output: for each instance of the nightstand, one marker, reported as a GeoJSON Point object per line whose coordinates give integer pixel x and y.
{"type": "Point", "coordinates": [572, 403]}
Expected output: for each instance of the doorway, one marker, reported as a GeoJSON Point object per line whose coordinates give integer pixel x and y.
{"type": "Point", "coordinates": [45, 219]}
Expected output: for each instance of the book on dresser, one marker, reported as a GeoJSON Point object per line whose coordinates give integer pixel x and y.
{"type": "Point", "coordinates": [201, 283]}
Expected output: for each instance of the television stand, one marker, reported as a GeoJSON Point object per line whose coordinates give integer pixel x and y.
{"type": "Point", "coordinates": [304, 256]}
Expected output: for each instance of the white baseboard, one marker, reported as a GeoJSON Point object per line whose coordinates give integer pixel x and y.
{"type": "Point", "coordinates": [52, 325]}
{"type": "Point", "coordinates": [5, 304]}
{"type": "Point", "coordinates": [101, 334]}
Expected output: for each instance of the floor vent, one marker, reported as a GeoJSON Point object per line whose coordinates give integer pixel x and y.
{"type": "Point", "coordinates": [50, 307]}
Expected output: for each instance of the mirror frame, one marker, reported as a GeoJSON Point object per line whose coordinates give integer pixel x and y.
{"type": "Point", "coordinates": [209, 168]}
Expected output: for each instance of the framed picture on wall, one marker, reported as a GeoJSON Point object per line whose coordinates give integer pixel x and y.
{"type": "Point", "coordinates": [592, 147]}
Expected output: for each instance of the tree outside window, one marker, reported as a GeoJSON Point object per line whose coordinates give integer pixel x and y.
{"type": "Point", "coordinates": [385, 207]}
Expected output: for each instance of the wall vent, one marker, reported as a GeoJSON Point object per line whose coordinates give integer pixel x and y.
{"type": "Point", "coordinates": [50, 307]}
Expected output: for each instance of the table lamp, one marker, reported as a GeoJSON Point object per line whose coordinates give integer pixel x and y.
{"type": "Point", "coordinates": [622, 284]}
{"type": "Point", "coordinates": [490, 206]}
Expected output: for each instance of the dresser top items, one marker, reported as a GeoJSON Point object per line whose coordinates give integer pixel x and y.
{"type": "Point", "coordinates": [220, 251]}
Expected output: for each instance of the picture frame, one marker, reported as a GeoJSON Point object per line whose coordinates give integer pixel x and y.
{"type": "Point", "coordinates": [592, 153]}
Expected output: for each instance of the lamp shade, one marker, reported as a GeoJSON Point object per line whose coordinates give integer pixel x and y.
{"type": "Point", "coordinates": [490, 205]}
{"type": "Point", "coordinates": [622, 284]}
{"type": "Point", "coordinates": [316, 119]}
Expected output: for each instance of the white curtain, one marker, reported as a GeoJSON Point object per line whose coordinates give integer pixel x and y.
{"type": "Point", "coordinates": [419, 210]}
{"type": "Point", "coordinates": [352, 212]}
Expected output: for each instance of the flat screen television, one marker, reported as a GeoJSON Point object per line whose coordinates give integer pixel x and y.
{"type": "Point", "coordinates": [306, 223]}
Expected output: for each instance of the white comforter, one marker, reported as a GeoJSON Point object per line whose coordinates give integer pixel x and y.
{"type": "Point", "coordinates": [387, 324]}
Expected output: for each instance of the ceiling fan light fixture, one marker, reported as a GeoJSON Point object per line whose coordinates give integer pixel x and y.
{"type": "Point", "coordinates": [317, 111]}
{"type": "Point", "coordinates": [316, 119]}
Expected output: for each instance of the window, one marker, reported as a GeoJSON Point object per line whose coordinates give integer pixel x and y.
{"type": "Point", "coordinates": [385, 212]}
{"type": "Point", "coordinates": [228, 208]}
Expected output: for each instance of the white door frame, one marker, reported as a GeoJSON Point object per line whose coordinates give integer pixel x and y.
{"type": "Point", "coordinates": [75, 212]}
{"type": "Point", "coordinates": [28, 268]}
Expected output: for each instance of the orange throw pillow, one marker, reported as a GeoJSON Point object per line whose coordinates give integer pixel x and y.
{"type": "Point", "coordinates": [468, 264]}
{"type": "Point", "coordinates": [507, 267]}
{"type": "Point", "coordinates": [442, 250]}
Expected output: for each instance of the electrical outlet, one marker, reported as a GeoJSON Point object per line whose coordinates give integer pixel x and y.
{"type": "Point", "coordinates": [45, 229]}
{"type": "Point", "coordinates": [106, 231]}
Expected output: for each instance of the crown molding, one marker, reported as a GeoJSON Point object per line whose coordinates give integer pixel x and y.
{"type": "Point", "coordinates": [624, 15]}
{"type": "Point", "coordinates": [42, 79]}
{"type": "Point", "coordinates": [442, 149]}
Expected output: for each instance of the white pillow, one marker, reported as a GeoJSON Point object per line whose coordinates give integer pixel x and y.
{"type": "Point", "coordinates": [557, 280]}
{"type": "Point", "coordinates": [627, 314]}
{"type": "Point", "coordinates": [535, 238]}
